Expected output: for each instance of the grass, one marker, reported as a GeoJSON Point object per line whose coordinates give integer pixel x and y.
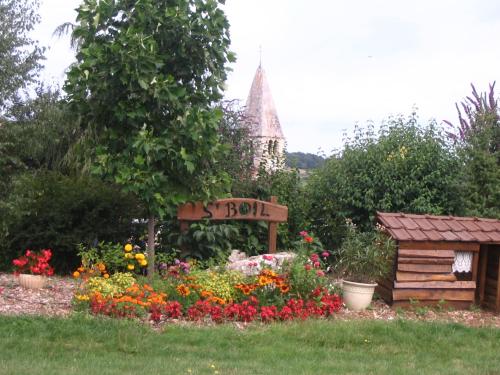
{"type": "Point", "coordinates": [87, 345]}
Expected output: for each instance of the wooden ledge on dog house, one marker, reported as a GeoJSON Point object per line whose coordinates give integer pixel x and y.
{"type": "Point", "coordinates": [431, 247]}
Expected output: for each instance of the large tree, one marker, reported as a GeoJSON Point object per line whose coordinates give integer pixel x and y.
{"type": "Point", "coordinates": [20, 55]}
{"type": "Point", "coordinates": [147, 75]}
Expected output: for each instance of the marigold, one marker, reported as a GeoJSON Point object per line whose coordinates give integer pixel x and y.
{"type": "Point", "coordinates": [76, 274]}
{"type": "Point", "coordinates": [143, 263]}
{"type": "Point", "coordinates": [217, 300]}
{"type": "Point", "coordinates": [183, 290]}
{"type": "Point", "coordinates": [130, 267]}
{"type": "Point", "coordinates": [206, 294]}
{"type": "Point", "coordinates": [128, 248]}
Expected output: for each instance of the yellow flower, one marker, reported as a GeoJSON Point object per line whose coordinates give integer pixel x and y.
{"type": "Point", "coordinates": [130, 267]}
{"type": "Point", "coordinates": [140, 256]}
{"type": "Point", "coordinates": [128, 256]}
{"type": "Point", "coordinates": [128, 248]}
{"type": "Point", "coordinates": [143, 262]}
{"type": "Point", "coordinates": [82, 297]}
{"type": "Point", "coordinates": [76, 274]}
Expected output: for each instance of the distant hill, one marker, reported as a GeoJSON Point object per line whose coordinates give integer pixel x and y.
{"type": "Point", "coordinates": [303, 160]}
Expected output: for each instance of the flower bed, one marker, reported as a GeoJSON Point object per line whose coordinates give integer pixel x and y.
{"type": "Point", "coordinates": [299, 289]}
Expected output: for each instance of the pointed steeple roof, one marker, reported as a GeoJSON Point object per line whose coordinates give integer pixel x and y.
{"type": "Point", "coordinates": [260, 109]}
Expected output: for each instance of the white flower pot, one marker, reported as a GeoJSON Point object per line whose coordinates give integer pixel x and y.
{"type": "Point", "coordinates": [357, 296]}
{"type": "Point", "coordinates": [32, 281]}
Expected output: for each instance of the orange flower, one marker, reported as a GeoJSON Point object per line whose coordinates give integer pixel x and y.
{"type": "Point", "coordinates": [147, 287]}
{"type": "Point", "coordinates": [217, 300]}
{"type": "Point", "coordinates": [206, 294]}
{"type": "Point", "coordinates": [264, 280]}
{"type": "Point", "coordinates": [246, 289]}
{"type": "Point", "coordinates": [284, 288]}
{"type": "Point", "coordinates": [183, 290]}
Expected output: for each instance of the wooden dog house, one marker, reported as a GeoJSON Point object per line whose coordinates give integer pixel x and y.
{"type": "Point", "coordinates": [443, 258]}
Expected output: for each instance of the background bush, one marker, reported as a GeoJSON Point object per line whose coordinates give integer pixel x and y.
{"type": "Point", "coordinates": [49, 210]}
{"type": "Point", "coordinates": [406, 167]}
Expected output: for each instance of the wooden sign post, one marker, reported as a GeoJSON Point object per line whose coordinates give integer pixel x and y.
{"type": "Point", "coordinates": [237, 209]}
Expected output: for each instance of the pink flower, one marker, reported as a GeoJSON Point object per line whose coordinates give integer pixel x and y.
{"type": "Point", "coordinates": [314, 257]}
{"type": "Point", "coordinates": [325, 254]}
{"type": "Point", "coordinates": [307, 267]}
{"type": "Point", "coordinates": [320, 273]}
{"type": "Point", "coordinates": [303, 233]}
{"type": "Point", "coordinates": [267, 257]}
{"type": "Point", "coordinates": [317, 264]}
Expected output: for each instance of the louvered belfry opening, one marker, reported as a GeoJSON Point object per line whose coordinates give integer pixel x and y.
{"type": "Point", "coordinates": [443, 259]}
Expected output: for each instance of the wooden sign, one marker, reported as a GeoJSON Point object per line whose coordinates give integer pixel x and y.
{"type": "Point", "coordinates": [237, 209]}
{"type": "Point", "coordinates": [233, 209]}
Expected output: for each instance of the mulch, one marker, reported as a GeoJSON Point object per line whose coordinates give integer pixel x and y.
{"type": "Point", "coordinates": [55, 300]}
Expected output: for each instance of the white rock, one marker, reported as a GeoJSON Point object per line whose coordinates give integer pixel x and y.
{"type": "Point", "coordinates": [253, 265]}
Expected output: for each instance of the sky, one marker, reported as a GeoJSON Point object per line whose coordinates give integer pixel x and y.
{"type": "Point", "coordinates": [334, 64]}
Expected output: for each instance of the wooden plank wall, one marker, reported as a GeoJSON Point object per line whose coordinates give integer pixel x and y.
{"type": "Point", "coordinates": [424, 274]}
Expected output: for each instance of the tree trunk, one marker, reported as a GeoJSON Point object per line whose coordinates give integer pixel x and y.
{"type": "Point", "coordinates": [151, 247]}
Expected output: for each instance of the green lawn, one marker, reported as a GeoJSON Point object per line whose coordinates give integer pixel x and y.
{"type": "Point", "coordinates": [86, 345]}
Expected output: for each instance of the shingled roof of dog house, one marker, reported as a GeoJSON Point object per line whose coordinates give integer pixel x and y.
{"type": "Point", "coordinates": [443, 258]}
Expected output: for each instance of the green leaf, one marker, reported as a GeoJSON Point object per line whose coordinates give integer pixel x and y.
{"type": "Point", "coordinates": [143, 84]}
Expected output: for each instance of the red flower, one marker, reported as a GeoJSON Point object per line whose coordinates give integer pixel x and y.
{"type": "Point", "coordinates": [34, 263]}
{"type": "Point", "coordinates": [286, 313]}
{"type": "Point", "coordinates": [308, 239]}
{"type": "Point", "coordinates": [268, 313]}
{"type": "Point", "coordinates": [314, 257]}
{"type": "Point", "coordinates": [307, 267]}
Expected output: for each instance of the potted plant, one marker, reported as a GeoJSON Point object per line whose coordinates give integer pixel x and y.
{"type": "Point", "coordinates": [363, 258]}
{"type": "Point", "coordinates": [33, 268]}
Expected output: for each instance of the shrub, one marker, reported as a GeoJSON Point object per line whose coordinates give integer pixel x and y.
{"type": "Point", "coordinates": [407, 167]}
{"type": "Point", "coordinates": [47, 209]}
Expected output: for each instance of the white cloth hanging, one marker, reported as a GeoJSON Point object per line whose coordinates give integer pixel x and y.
{"type": "Point", "coordinates": [463, 261]}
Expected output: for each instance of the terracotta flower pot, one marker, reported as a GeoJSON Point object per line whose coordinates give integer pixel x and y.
{"type": "Point", "coordinates": [357, 296]}
{"type": "Point", "coordinates": [32, 281]}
